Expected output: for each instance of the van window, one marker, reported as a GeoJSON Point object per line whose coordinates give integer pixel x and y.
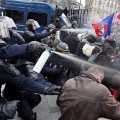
{"type": "Point", "coordinates": [52, 20]}
{"type": "Point", "coordinates": [16, 15]}
{"type": "Point", "coordinates": [41, 18]}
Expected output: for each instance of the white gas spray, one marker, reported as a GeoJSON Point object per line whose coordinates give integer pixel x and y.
{"type": "Point", "coordinates": [115, 81]}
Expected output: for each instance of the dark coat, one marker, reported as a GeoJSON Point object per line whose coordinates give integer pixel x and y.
{"type": "Point", "coordinates": [83, 98]}
{"type": "Point", "coordinates": [33, 36]}
{"type": "Point", "coordinates": [72, 42]}
{"type": "Point", "coordinates": [15, 38]}
{"type": "Point", "coordinates": [20, 81]}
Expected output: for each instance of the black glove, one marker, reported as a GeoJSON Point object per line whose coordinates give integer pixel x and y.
{"type": "Point", "coordinates": [50, 91]}
{"type": "Point", "coordinates": [57, 88]}
{"type": "Point", "coordinates": [35, 49]}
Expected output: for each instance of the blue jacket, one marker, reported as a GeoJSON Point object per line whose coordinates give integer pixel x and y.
{"type": "Point", "coordinates": [33, 36]}
{"type": "Point", "coordinates": [20, 81]}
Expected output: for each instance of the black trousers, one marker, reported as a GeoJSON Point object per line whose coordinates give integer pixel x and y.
{"type": "Point", "coordinates": [27, 103]}
{"type": "Point", "coordinates": [27, 100]}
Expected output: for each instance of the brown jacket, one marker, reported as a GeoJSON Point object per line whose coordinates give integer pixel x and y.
{"type": "Point", "coordinates": [83, 98]}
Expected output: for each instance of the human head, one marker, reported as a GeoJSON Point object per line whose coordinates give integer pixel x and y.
{"type": "Point", "coordinates": [62, 47]}
{"type": "Point", "coordinates": [8, 21]}
{"type": "Point", "coordinates": [97, 72]}
{"type": "Point", "coordinates": [32, 24]}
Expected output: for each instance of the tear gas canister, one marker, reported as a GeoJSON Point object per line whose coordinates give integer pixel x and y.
{"type": "Point", "coordinates": [41, 61]}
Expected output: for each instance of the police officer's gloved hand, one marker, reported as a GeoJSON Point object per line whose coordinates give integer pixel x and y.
{"type": "Point", "coordinates": [35, 49]}
{"type": "Point", "coordinates": [50, 91]}
{"type": "Point", "coordinates": [57, 88]}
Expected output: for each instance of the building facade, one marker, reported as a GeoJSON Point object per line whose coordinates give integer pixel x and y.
{"type": "Point", "coordinates": [102, 8]}
{"type": "Point", "coordinates": [70, 4]}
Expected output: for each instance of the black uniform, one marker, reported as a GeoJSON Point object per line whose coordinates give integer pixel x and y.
{"type": "Point", "coordinates": [30, 35]}
{"type": "Point", "coordinates": [9, 74]}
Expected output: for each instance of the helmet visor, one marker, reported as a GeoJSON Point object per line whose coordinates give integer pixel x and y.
{"type": "Point", "coordinates": [4, 31]}
{"type": "Point", "coordinates": [36, 24]}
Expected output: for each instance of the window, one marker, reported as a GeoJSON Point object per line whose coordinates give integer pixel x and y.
{"type": "Point", "coordinates": [16, 15]}
{"type": "Point", "coordinates": [41, 18]}
{"type": "Point", "coordinates": [52, 19]}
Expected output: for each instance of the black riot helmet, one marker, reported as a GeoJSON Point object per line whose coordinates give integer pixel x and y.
{"type": "Point", "coordinates": [62, 47]}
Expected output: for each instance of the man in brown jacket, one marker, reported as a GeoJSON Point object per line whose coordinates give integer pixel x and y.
{"type": "Point", "coordinates": [84, 98]}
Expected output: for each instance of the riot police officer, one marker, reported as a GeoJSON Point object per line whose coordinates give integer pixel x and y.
{"type": "Point", "coordinates": [30, 32]}
{"type": "Point", "coordinates": [14, 37]}
{"type": "Point", "coordinates": [9, 74]}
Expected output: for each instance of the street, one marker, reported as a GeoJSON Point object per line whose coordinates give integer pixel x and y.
{"type": "Point", "coordinates": [47, 109]}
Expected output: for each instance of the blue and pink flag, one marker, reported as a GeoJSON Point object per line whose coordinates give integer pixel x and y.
{"type": "Point", "coordinates": [116, 18]}
{"type": "Point", "coordinates": [104, 27]}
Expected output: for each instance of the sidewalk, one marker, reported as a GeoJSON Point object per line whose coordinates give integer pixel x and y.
{"type": "Point", "coordinates": [47, 109]}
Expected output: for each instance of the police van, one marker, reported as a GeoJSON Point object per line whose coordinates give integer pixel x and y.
{"type": "Point", "coordinates": [22, 10]}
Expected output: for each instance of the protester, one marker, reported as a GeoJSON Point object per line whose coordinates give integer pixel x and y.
{"type": "Point", "coordinates": [51, 41]}
{"type": "Point", "coordinates": [84, 98]}
{"type": "Point", "coordinates": [106, 57]}
{"type": "Point", "coordinates": [72, 40]}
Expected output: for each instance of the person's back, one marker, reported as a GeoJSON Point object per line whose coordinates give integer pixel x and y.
{"type": "Point", "coordinates": [72, 42]}
{"type": "Point", "coordinates": [83, 98]}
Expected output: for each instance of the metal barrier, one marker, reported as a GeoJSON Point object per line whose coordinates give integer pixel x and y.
{"type": "Point", "coordinates": [80, 16]}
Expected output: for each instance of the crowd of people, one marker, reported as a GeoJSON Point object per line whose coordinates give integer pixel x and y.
{"type": "Point", "coordinates": [85, 92]}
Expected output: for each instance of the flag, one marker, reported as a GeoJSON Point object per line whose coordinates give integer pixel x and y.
{"type": "Point", "coordinates": [103, 28]}
{"type": "Point", "coordinates": [116, 18]}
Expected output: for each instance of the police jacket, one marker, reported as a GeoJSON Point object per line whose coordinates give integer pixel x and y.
{"type": "Point", "coordinates": [15, 38]}
{"type": "Point", "coordinates": [17, 79]}
{"type": "Point", "coordinates": [30, 35]}
{"type": "Point", "coordinates": [83, 98]}
{"type": "Point", "coordinates": [26, 68]}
